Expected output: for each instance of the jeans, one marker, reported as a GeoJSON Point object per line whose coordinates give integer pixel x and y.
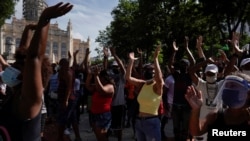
{"type": "Point", "coordinates": [148, 129]}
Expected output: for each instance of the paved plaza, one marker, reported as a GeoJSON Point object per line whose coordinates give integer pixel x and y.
{"type": "Point", "coordinates": [85, 131]}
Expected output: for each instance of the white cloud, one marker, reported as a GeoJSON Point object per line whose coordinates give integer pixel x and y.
{"type": "Point", "coordinates": [88, 17]}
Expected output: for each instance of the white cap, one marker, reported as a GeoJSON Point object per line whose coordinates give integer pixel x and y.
{"type": "Point", "coordinates": [244, 62]}
{"type": "Point", "coordinates": [114, 63]}
{"type": "Point", "coordinates": [211, 68]}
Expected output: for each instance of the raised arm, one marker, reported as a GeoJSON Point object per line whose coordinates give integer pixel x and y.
{"type": "Point", "coordinates": [199, 43]}
{"type": "Point", "coordinates": [32, 87]}
{"type": "Point", "coordinates": [193, 69]}
{"type": "Point", "coordinates": [105, 57]}
{"type": "Point", "coordinates": [237, 52]}
{"type": "Point", "coordinates": [172, 57]}
{"type": "Point", "coordinates": [190, 55]}
{"type": "Point", "coordinates": [118, 60]}
{"type": "Point", "coordinates": [107, 89]}
{"type": "Point", "coordinates": [129, 77]}
{"type": "Point", "coordinates": [140, 64]}
{"type": "Point", "coordinates": [158, 74]}
{"type": "Point", "coordinates": [89, 86]}
{"type": "Point", "coordinates": [85, 61]}
{"type": "Point", "coordinates": [195, 100]}
{"type": "Point", "coordinates": [75, 63]}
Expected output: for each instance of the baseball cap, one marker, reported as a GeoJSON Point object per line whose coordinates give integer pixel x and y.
{"type": "Point", "coordinates": [211, 68]}
{"type": "Point", "coordinates": [186, 61]}
{"type": "Point", "coordinates": [234, 91]}
{"type": "Point", "coordinates": [114, 63]}
{"type": "Point", "coordinates": [244, 62]}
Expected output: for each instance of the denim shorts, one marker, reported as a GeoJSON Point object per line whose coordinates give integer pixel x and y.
{"type": "Point", "coordinates": [102, 121]}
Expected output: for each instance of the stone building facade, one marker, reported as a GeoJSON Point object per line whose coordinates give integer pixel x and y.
{"type": "Point", "coordinates": [59, 41]}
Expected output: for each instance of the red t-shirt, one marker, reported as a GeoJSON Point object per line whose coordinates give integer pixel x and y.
{"type": "Point", "coordinates": [100, 103]}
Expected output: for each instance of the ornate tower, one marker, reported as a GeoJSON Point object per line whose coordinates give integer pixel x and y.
{"type": "Point", "coordinates": [32, 9]}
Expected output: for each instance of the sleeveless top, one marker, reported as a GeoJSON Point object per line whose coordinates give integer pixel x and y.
{"type": "Point", "coordinates": [149, 101]}
{"type": "Point", "coordinates": [100, 103]}
{"type": "Point", "coordinates": [220, 130]}
{"type": "Point", "coordinates": [18, 129]}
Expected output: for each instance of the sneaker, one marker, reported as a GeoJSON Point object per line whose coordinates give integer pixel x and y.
{"type": "Point", "coordinates": [67, 131]}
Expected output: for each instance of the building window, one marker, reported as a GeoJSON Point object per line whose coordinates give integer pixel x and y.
{"type": "Point", "coordinates": [55, 48]}
{"type": "Point", "coordinates": [63, 47]}
{"type": "Point", "coordinates": [8, 41]}
{"type": "Point", "coordinates": [18, 40]}
{"type": "Point", "coordinates": [64, 50]}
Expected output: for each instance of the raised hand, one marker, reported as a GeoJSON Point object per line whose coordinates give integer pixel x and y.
{"type": "Point", "coordinates": [56, 11]}
{"type": "Point", "coordinates": [194, 98]}
{"type": "Point", "coordinates": [112, 50]}
{"type": "Point", "coordinates": [199, 42]}
{"type": "Point", "coordinates": [157, 51]}
{"type": "Point", "coordinates": [139, 51]}
{"type": "Point", "coordinates": [186, 41]}
{"type": "Point", "coordinates": [235, 43]}
{"type": "Point", "coordinates": [132, 56]}
{"type": "Point", "coordinates": [175, 48]}
{"type": "Point", "coordinates": [223, 55]}
{"type": "Point", "coordinates": [105, 51]}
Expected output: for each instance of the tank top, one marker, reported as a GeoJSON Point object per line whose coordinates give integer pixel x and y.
{"type": "Point", "coordinates": [149, 101]}
{"type": "Point", "coordinates": [18, 129]}
{"type": "Point", "coordinates": [220, 130]}
{"type": "Point", "coordinates": [100, 103]}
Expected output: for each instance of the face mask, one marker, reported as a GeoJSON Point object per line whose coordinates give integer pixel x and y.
{"type": "Point", "coordinates": [211, 79]}
{"type": "Point", "coordinates": [183, 69]}
{"type": "Point", "coordinates": [246, 72]}
{"type": "Point", "coordinates": [115, 70]}
{"type": "Point", "coordinates": [148, 75]}
{"type": "Point", "coordinates": [234, 98]}
{"type": "Point", "coordinates": [10, 75]}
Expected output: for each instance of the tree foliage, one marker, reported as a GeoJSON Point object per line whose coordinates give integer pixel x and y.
{"type": "Point", "coordinates": [145, 23]}
{"type": "Point", "coordinates": [7, 8]}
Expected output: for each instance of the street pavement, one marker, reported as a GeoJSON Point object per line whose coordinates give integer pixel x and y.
{"type": "Point", "coordinates": [86, 133]}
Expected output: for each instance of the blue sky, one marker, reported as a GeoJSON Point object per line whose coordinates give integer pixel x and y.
{"type": "Point", "coordinates": [88, 17]}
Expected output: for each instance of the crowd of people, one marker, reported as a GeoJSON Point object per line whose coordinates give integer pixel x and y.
{"type": "Point", "coordinates": [191, 100]}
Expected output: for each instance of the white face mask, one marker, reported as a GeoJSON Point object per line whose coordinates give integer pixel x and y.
{"type": "Point", "coordinates": [10, 75]}
{"type": "Point", "coordinates": [246, 72]}
{"type": "Point", "coordinates": [211, 79]}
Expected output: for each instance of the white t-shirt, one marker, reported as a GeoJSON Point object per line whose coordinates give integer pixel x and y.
{"type": "Point", "coordinates": [209, 92]}
{"type": "Point", "coordinates": [169, 83]}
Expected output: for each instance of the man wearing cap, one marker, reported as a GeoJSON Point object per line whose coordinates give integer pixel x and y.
{"type": "Point", "coordinates": [209, 87]}
{"type": "Point", "coordinates": [118, 102]}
